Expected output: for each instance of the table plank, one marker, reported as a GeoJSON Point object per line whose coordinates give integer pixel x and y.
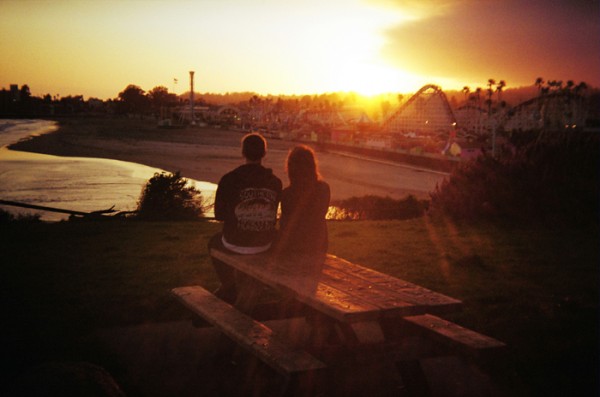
{"type": "Point", "coordinates": [304, 285]}
{"type": "Point", "coordinates": [453, 335]}
{"type": "Point", "coordinates": [429, 301]}
{"type": "Point", "coordinates": [369, 292]}
{"type": "Point", "coordinates": [248, 333]}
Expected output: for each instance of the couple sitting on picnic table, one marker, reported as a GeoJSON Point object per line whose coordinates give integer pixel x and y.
{"type": "Point", "coordinates": [247, 199]}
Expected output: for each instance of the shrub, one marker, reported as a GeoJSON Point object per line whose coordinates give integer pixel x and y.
{"type": "Point", "coordinates": [550, 181]}
{"type": "Point", "coordinates": [7, 217]}
{"type": "Point", "coordinates": [166, 197]}
{"type": "Point", "coordinates": [378, 208]}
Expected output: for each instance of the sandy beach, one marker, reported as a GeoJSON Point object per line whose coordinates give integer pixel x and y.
{"type": "Point", "coordinates": [206, 154]}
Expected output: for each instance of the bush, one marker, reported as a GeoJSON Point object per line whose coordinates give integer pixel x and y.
{"type": "Point", "coordinates": [7, 217]}
{"type": "Point", "coordinates": [166, 197]}
{"type": "Point", "coordinates": [548, 182]}
{"type": "Point", "coordinates": [378, 208]}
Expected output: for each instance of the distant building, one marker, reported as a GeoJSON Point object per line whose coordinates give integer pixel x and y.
{"type": "Point", "coordinates": [15, 93]}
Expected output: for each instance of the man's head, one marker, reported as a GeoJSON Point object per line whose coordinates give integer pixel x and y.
{"type": "Point", "coordinates": [254, 147]}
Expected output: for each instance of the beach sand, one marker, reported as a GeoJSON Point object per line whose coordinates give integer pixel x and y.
{"type": "Point", "coordinates": [206, 154]}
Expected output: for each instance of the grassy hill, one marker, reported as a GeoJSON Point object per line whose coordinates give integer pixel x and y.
{"type": "Point", "coordinates": [535, 289]}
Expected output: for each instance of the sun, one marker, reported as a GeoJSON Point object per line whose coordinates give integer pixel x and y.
{"type": "Point", "coordinates": [370, 79]}
{"type": "Point", "coordinates": [349, 51]}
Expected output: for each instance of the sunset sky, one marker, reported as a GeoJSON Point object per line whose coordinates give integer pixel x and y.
{"type": "Point", "coordinates": [96, 48]}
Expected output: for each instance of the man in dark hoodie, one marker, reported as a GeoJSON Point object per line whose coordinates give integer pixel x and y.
{"type": "Point", "coordinates": [246, 201]}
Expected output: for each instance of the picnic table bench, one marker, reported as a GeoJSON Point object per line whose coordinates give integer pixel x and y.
{"type": "Point", "coordinates": [351, 313]}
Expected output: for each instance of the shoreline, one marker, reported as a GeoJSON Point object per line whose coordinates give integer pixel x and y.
{"type": "Point", "coordinates": [206, 154]}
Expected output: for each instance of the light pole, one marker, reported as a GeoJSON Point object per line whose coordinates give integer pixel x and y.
{"type": "Point", "coordinates": [193, 121]}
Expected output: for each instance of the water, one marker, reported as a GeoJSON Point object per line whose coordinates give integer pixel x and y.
{"type": "Point", "coordinates": [73, 183]}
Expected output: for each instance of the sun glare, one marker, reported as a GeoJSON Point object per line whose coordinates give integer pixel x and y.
{"type": "Point", "coordinates": [348, 51]}
{"type": "Point", "coordinates": [371, 79]}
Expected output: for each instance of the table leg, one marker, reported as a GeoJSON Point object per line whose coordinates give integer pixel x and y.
{"type": "Point", "coordinates": [367, 332]}
{"type": "Point", "coordinates": [248, 294]}
{"type": "Point", "coordinates": [413, 378]}
{"type": "Point", "coordinates": [322, 331]}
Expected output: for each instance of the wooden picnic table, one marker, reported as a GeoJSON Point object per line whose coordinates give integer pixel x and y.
{"type": "Point", "coordinates": [350, 309]}
{"type": "Point", "coordinates": [353, 296]}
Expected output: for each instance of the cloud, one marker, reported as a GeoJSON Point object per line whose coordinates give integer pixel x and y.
{"type": "Point", "coordinates": [511, 39]}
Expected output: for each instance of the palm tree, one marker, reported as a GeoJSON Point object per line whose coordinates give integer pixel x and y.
{"type": "Point", "coordinates": [569, 88]}
{"type": "Point", "coordinates": [580, 87]}
{"type": "Point", "coordinates": [490, 92]}
{"type": "Point", "coordinates": [499, 88]}
{"type": "Point", "coordinates": [570, 84]}
{"type": "Point", "coordinates": [478, 96]}
{"type": "Point", "coordinates": [466, 90]}
{"type": "Point", "coordinates": [539, 82]}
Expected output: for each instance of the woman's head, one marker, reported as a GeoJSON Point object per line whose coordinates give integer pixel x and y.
{"type": "Point", "coordinates": [302, 165]}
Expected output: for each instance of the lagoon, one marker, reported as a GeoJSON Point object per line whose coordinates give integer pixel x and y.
{"type": "Point", "coordinates": [73, 183]}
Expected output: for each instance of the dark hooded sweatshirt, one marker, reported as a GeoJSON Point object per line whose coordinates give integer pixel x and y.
{"type": "Point", "coordinates": [246, 201]}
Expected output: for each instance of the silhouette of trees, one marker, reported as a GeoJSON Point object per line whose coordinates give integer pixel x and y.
{"type": "Point", "coordinates": [499, 87]}
{"type": "Point", "coordinates": [133, 100]}
{"type": "Point", "coordinates": [490, 92]}
{"type": "Point", "coordinates": [557, 87]}
{"type": "Point", "coordinates": [580, 87]}
{"type": "Point", "coordinates": [466, 90]}
{"type": "Point", "coordinates": [478, 95]}
{"type": "Point", "coordinates": [72, 104]}
{"type": "Point", "coordinates": [7, 217]}
{"type": "Point", "coordinates": [166, 197]}
{"type": "Point", "coordinates": [160, 97]}
{"type": "Point", "coordinates": [25, 93]}
{"type": "Point", "coordinates": [539, 83]}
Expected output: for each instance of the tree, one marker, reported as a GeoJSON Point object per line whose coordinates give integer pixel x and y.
{"type": "Point", "coordinates": [499, 88]}
{"type": "Point", "coordinates": [166, 196]}
{"type": "Point", "coordinates": [133, 100]}
{"type": "Point", "coordinates": [490, 93]}
{"type": "Point", "coordinates": [466, 90]}
{"type": "Point", "coordinates": [25, 93]}
{"type": "Point", "coordinates": [570, 85]}
{"type": "Point", "coordinates": [581, 87]}
{"type": "Point", "coordinates": [72, 104]}
{"type": "Point", "coordinates": [159, 97]}
{"type": "Point", "coordinates": [478, 95]}
{"type": "Point", "coordinates": [539, 83]}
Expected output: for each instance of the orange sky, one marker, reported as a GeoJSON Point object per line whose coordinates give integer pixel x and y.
{"type": "Point", "coordinates": [96, 48]}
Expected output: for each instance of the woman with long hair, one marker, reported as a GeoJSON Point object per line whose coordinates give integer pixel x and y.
{"type": "Point", "coordinates": [304, 204]}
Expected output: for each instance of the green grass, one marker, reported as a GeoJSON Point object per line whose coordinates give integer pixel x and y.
{"type": "Point", "coordinates": [536, 290]}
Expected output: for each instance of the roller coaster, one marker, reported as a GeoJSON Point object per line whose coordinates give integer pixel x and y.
{"type": "Point", "coordinates": [428, 112]}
